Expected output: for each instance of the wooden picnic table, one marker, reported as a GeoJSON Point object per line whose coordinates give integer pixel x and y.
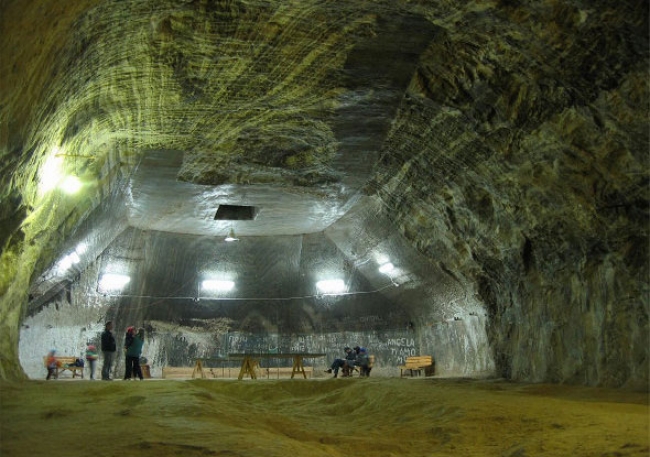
{"type": "Point", "coordinates": [251, 360]}
{"type": "Point", "coordinates": [199, 362]}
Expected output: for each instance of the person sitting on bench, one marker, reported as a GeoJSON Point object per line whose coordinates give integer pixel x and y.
{"type": "Point", "coordinates": [52, 364]}
{"type": "Point", "coordinates": [346, 364]}
{"type": "Point", "coordinates": [363, 362]}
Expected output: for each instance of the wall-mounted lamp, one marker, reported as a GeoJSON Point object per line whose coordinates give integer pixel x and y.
{"type": "Point", "coordinates": [231, 236]}
{"type": "Point", "coordinates": [50, 172]}
{"type": "Point", "coordinates": [71, 184]}
{"type": "Point", "coordinates": [65, 263]}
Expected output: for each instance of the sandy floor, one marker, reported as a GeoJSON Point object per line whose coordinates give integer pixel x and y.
{"type": "Point", "coordinates": [321, 417]}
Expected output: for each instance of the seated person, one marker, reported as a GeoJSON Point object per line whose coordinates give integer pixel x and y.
{"type": "Point", "coordinates": [346, 363]}
{"type": "Point", "coordinates": [350, 360]}
{"type": "Point", "coordinates": [52, 364]}
{"type": "Point", "coordinates": [363, 362]}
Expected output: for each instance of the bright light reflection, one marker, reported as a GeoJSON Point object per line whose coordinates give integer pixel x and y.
{"type": "Point", "coordinates": [113, 281]}
{"type": "Point", "coordinates": [217, 285]}
{"type": "Point", "coordinates": [382, 259]}
{"type": "Point", "coordinates": [71, 185]}
{"type": "Point", "coordinates": [67, 262]}
{"type": "Point", "coordinates": [331, 286]}
{"type": "Point", "coordinates": [386, 268]}
{"type": "Point", "coordinates": [231, 236]}
{"type": "Point", "coordinates": [50, 173]}
{"type": "Point", "coordinates": [81, 248]}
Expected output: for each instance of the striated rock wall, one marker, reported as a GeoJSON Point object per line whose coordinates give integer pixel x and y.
{"type": "Point", "coordinates": [519, 162]}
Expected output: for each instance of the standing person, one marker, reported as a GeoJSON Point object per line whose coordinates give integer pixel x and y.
{"type": "Point", "coordinates": [128, 341]}
{"type": "Point", "coordinates": [109, 346]}
{"type": "Point", "coordinates": [51, 363]}
{"type": "Point", "coordinates": [133, 353]}
{"type": "Point", "coordinates": [91, 358]}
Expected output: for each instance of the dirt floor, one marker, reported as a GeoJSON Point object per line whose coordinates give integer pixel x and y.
{"type": "Point", "coordinates": [319, 417]}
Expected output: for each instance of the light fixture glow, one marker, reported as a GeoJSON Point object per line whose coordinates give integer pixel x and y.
{"type": "Point", "coordinates": [64, 265]}
{"type": "Point", "coordinates": [81, 248]}
{"type": "Point", "coordinates": [331, 286]}
{"type": "Point", "coordinates": [231, 236]}
{"type": "Point", "coordinates": [381, 259]}
{"type": "Point", "coordinates": [66, 262]}
{"type": "Point", "coordinates": [50, 172]}
{"type": "Point", "coordinates": [71, 185]}
{"type": "Point", "coordinates": [386, 268]}
{"type": "Point", "coordinates": [217, 285]}
{"type": "Point", "coordinates": [113, 281]}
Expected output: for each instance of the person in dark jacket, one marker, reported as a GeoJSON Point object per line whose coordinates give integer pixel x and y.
{"type": "Point", "coordinates": [133, 345]}
{"type": "Point", "coordinates": [350, 356]}
{"type": "Point", "coordinates": [363, 362]}
{"type": "Point", "coordinates": [109, 346]}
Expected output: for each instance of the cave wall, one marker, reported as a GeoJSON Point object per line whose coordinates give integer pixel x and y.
{"type": "Point", "coordinates": [532, 184]}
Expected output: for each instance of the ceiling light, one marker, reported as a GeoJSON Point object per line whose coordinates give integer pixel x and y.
{"type": "Point", "coordinates": [386, 268]}
{"type": "Point", "coordinates": [217, 285]}
{"type": "Point", "coordinates": [231, 236]}
{"type": "Point", "coordinates": [113, 281]}
{"type": "Point", "coordinates": [331, 286]}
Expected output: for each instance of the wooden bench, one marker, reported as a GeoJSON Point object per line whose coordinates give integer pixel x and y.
{"type": "Point", "coordinates": [66, 363]}
{"type": "Point", "coordinates": [417, 364]}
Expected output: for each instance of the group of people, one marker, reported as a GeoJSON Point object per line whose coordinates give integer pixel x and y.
{"type": "Point", "coordinates": [133, 343]}
{"type": "Point", "coordinates": [355, 358]}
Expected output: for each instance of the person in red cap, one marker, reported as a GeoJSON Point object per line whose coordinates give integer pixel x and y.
{"type": "Point", "coordinates": [52, 364]}
{"type": "Point", "coordinates": [133, 353]}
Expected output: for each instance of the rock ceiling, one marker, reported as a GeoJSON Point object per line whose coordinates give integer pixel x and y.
{"type": "Point", "coordinates": [506, 141]}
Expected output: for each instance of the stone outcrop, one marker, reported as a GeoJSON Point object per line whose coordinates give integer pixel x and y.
{"type": "Point", "coordinates": [502, 145]}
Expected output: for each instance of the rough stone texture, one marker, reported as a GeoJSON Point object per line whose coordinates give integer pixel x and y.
{"type": "Point", "coordinates": [533, 184]}
{"type": "Point", "coordinates": [502, 146]}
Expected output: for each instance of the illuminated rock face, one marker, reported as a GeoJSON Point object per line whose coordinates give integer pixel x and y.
{"type": "Point", "coordinates": [496, 153]}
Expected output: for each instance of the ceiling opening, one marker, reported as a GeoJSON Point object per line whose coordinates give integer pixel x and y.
{"type": "Point", "coordinates": [235, 213]}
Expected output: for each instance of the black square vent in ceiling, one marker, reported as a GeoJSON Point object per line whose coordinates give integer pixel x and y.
{"type": "Point", "coordinates": [235, 213]}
